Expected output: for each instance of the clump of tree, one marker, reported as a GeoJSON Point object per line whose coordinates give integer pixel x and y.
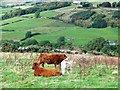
{"type": "Point", "coordinates": [29, 35]}
{"type": "Point", "coordinates": [118, 4]}
{"type": "Point", "coordinates": [29, 42]}
{"type": "Point", "coordinates": [9, 45]}
{"type": "Point", "coordinates": [114, 4]}
{"type": "Point", "coordinates": [84, 15]}
{"type": "Point", "coordinates": [98, 16]}
{"type": "Point", "coordinates": [37, 14]}
{"type": "Point", "coordinates": [99, 23]}
{"type": "Point", "coordinates": [109, 5]}
{"type": "Point", "coordinates": [100, 45]}
{"type": "Point", "coordinates": [86, 4]}
{"type": "Point", "coordinates": [116, 14]}
{"type": "Point", "coordinates": [40, 7]}
{"type": "Point", "coordinates": [106, 4]}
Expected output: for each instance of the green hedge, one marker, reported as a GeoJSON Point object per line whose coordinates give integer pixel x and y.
{"type": "Point", "coordinates": [116, 14]}
{"type": "Point", "coordinates": [101, 45]}
{"type": "Point", "coordinates": [99, 23]}
{"type": "Point", "coordinates": [84, 15]}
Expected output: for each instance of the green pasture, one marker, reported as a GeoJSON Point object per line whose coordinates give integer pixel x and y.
{"type": "Point", "coordinates": [54, 29]}
{"type": "Point", "coordinates": [67, 8]}
{"type": "Point", "coordinates": [10, 20]}
{"type": "Point", "coordinates": [81, 35]}
{"type": "Point", "coordinates": [49, 13]}
{"type": "Point", "coordinates": [4, 10]}
{"type": "Point", "coordinates": [28, 24]}
{"type": "Point", "coordinates": [94, 78]}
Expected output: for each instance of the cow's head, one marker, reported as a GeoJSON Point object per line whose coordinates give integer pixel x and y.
{"type": "Point", "coordinates": [35, 64]}
{"type": "Point", "coordinates": [64, 56]}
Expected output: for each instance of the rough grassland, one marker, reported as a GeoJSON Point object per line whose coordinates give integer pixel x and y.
{"type": "Point", "coordinates": [17, 73]}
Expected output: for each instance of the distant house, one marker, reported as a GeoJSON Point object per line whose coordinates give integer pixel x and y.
{"type": "Point", "coordinates": [78, 1]}
{"type": "Point", "coordinates": [9, 5]}
{"type": "Point", "coordinates": [71, 39]}
{"type": "Point", "coordinates": [112, 43]}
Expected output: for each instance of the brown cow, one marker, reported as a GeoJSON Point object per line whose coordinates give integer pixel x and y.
{"type": "Point", "coordinates": [55, 59]}
{"type": "Point", "coordinates": [45, 72]}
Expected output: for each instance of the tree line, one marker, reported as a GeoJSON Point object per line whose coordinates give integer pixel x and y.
{"type": "Point", "coordinates": [103, 4]}
{"type": "Point", "coordinates": [97, 46]}
{"type": "Point", "coordinates": [39, 7]}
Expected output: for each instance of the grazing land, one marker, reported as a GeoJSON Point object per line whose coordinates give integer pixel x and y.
{"type": "Point", "coordinates": [90, 71]}
{"type": "Point", "coordinates": [17, 73]}
{"type": "Point", "coordinates": [54, 28]}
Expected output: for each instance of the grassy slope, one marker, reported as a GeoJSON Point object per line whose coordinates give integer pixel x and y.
{"type": "Point", "coordinates": [81, 35]}
{"type": "Point", "coordinates": [55, 29]}
{"type": "Point", "coordinates": [13, 79]}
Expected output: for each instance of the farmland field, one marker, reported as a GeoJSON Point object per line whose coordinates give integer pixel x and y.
{"type": "Point", "coordinates": [54, 28]}
{"type": "Point", "coordinates": [90, 71]}
{"type": "Point", "coordinates": [17, 73]}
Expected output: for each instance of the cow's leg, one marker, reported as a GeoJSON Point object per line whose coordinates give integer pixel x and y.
{"type": "Point", "coordinates": [60, 66]}
{"type": "Point", "coordinates": [43, 64]}
{"type": "Point", "coordinates": [55, 65]}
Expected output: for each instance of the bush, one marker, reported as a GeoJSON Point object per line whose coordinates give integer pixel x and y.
{"type": "Point", "coordinates": [114, 24]}
{"type": "Point", "coordinates": [61, 41]}
{"type": "Point", "coordinates": [84, 15]}
{"type": "Point", "coordinates": [40, 7]}
{"type": "Point", "coordinates": [28, 34]}
{"type": "Point", "coordinates": [99, 16]}
{"type": "Point", "coordinates": [96, 44]}
{"type": "Point", "coordinates": [100, 46]}
{"type": "Point", "coordinates": [118, 4]}
{"type": "Point", "coordinates": [37, 14]}
{"type": "Point", "coordinates": [29, 42]}
{"type": "Point", "coordinates": [111, 50]}
{"type": "Point", "coordinates": [116, 14]}
{"type": "Point", "coordinates": [106, 4]}
{"type": "Point", "coordinates": [99, 23]}
{"type": "Point", "coordinates": [114, 4]}
{"type": "Point", "coordinates": [9, 45]}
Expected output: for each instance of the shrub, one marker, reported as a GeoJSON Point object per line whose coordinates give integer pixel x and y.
{"type": "Point", "coordinates": [9, 45]}
{"type": "Point", "coordinates": [114, 4]}
{"type": "Point", "coordinates": [45, 43]}
{"type": "Point", "coordinates": [118, 4]}
{"type": "Point", "coordinates": [99, 16]}
{"type": "Point", "coordinates": [95, 44]}
{"type": "Point", "coordinates": [29, 42]}
{"type": "Point", "coordinates": [37, 14]}
{"type": "Point", "coordinates": [111, 50]}
{"type": "Point", "coordinates": [114, 24]}
{"type": "Point", "coordinates": [100, 46]}
{"type": "Point", "coordinates": [28, 34]}
{"type": "Point", "coordinates": [106, 4]}
{"type": "Point", "coordinates": [61, 41]}
{"type": "Point", "coordinates": [99, 23]}
{"type": "Point", "coordinates": [116, 14]}
{"type": "Point", "coordinates": [84, 15]}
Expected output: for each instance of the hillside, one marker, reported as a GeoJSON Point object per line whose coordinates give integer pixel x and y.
{"type": "Point", "coordinates": [55, 28]}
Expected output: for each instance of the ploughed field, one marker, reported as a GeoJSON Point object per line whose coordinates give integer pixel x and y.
{"type": "Point", "coordinates": [89, 72]}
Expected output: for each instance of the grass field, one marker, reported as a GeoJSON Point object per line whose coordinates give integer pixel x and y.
{"type": "Point", "coordinates": [16, 67]}
{"type": "Point", "coordinates": [81, 35]}
{"type": "Point", "coordinates": [17, 73]}
{"type": "Point", "coordinates": [54, 28]}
